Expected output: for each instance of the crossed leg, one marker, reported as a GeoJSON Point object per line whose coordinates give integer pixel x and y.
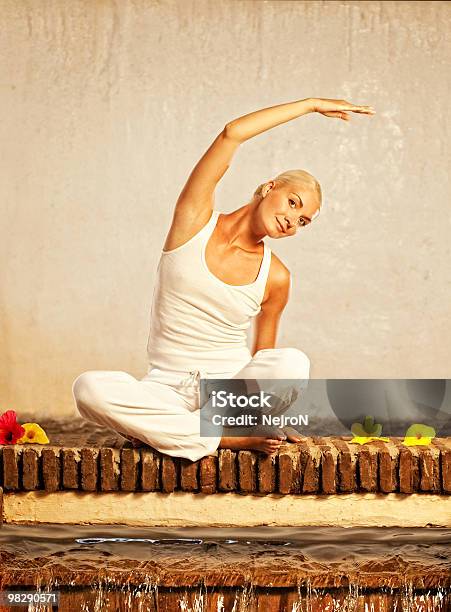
{"type": "Point", "coordinates": [150, 411]}
{"type": "Point", "coordinates": [278, 364]}
{"type": "Point", "coordinates": [157, 414]}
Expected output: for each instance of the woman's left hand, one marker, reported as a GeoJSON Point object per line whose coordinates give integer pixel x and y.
{"type": "Point", "coordinates": [339, 109]}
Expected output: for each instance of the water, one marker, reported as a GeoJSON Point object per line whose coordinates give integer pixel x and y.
{"type": "Point", "coordinates": [203, 569]}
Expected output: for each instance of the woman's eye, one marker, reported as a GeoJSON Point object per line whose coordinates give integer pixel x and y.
{"type": "Point", "coordinates": [293, 202]}
{"type": "Point", "coordinates": [301, 222]}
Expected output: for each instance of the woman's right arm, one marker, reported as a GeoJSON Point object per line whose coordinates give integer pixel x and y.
{"type": "Point", "coordinates": [255, 123]}
{"type": "Point", "coordinates": [195, 202]}
{"type": "Point", "coordinates": [196, 197]}
{"type": "Point", "coordinates": [250, 125]}
{"type": "Point", "coordinates": [197, 194]}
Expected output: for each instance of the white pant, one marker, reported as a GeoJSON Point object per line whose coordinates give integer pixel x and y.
{"type": "Point", "coordinates": [162, 409]}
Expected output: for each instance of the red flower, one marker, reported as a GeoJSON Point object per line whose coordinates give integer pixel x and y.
{"type": "Point", "coordinates": [10, 429]}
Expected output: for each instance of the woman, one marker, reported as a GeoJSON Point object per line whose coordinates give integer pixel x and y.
{"type": "Point", "coordinates": [214, 275]}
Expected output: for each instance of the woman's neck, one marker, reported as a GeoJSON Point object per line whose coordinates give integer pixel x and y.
{"type": "Point", "coordinates": [239, 228]}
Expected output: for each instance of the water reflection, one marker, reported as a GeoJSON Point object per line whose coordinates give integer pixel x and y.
{"type": "Point", "coordinates": [131, 568]}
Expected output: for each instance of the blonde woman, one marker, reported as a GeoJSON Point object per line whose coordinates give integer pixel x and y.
{"type": "Point", "coordinates": [214, 275]}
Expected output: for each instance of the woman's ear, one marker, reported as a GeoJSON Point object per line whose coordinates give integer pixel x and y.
{"type": "Point", "coordinates": [268, 186]}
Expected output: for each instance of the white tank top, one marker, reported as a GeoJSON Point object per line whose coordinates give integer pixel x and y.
{"type": "Point", "coordinates": [197, 320]}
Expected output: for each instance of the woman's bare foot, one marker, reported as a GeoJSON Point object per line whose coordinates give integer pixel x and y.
{"type": "Point", "coordinates": [292, 434]}
{"type": "Point", "coordinates": [265, 445]}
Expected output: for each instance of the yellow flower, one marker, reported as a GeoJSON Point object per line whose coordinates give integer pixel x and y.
{"type": "Point", "coordinates": [33, 434]}
{"type": "Point", "coordinates": [411, 441]}
{"type": "Point", "coordinates": [364, 440]}
{"type": "Point", "coordinates": [419, 435]}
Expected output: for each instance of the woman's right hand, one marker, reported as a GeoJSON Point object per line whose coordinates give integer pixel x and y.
{"type": "Point", "coordinates": [338, 108]}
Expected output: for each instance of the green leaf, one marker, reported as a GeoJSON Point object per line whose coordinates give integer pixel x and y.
{"type": "Point", "coordinates": [367, 428]}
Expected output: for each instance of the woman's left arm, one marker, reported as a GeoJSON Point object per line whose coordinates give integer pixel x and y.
{"type": "Point", "coordinates": [267, 320]}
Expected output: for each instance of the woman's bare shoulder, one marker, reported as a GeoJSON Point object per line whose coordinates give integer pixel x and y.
{"type": "Point", "coordinates": [278, 277]}
{"type": "Point", "coordinates": [278, 271]}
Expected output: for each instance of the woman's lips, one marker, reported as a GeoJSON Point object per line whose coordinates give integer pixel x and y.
{"type": "Point", "coordinates": [280, 225]}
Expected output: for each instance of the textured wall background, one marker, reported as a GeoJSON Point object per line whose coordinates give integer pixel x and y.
{"type": "Point", "coordinates": [107, 106]}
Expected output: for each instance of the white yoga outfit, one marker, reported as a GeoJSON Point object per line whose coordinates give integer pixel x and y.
{"type": "Point", "coordinates": [198, 330]}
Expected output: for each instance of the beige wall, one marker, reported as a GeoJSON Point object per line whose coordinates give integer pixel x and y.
{"type": "Point", "coordinates": [106, 107]}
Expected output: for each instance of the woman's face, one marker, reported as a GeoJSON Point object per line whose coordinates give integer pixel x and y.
{"type": "Point", "coordinates": [285, 208]}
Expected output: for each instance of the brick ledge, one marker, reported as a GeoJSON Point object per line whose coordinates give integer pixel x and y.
{"type": "Point", "coordinates": [84, 457]}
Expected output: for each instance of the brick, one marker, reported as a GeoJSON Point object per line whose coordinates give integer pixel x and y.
{"type": "Point", "coordinates": [130, 459]}
{"type": "Point", "coordinates": [444, 445]}
{"type": "Point", "coordinates": [51, 467]}
{"type": "Point", "coordinates": [227, 470]}
{"type": "Point", "coordinates": [30, 469]}
{"type": "Point", "coordinates": [247, 471]}
{"type": "Point", "coordinates": [150, 470]}
{"type": "Point", "coordinates": [347, 465]}
{"type": "Point", "coordinates": [266, 473]}
{"type": "Point", "coordinates": [310, 466]}
{"type": "Point", "coordinates": [11, 462]}
{"type": "Point", "coordinates": [208, 474]}
{"type": "Point", "coordinates": [445, 465]}
{"type": "Point", "coordinates": [289, 469]}
{"type": "Point", "coordinates": [408, 469]}
{"type": "Point", "coordinates": [70, 458]}
{"type": "Point", "coordinates": [168, 474]}
{"type": "Point", "coordinates": [189, 471]}
{"type": "Point", "coordinates": [429, 464]}
{"type": "Point", "coordinates": [329, 463]}
{"type": "Point", "coordinates": [368, 467]}
{"type": "Point", "coordinates": [110, 469]}
{"type": "Point", "coordinates": [389, 467]}
{"type": "Point", "coordinates": [89, 469]}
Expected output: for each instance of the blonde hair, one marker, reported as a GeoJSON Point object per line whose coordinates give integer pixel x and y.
{"type": "Point", "coordinates": [296, 177]}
